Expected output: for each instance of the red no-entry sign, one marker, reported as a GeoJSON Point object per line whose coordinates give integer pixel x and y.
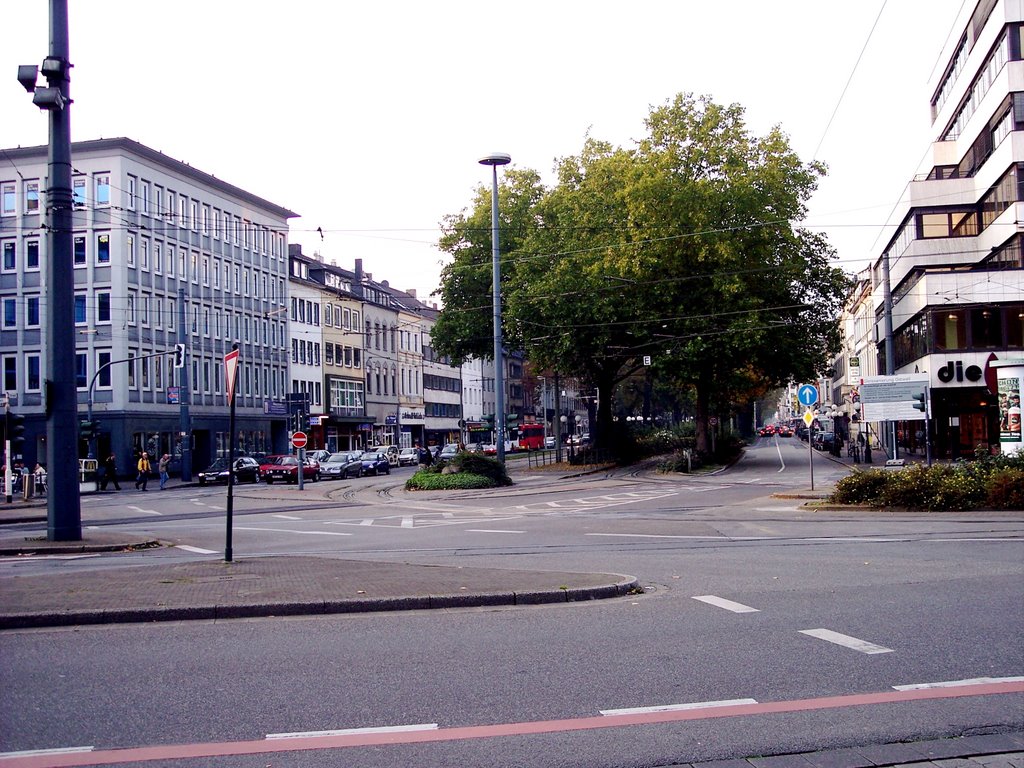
{"type": "Point", "coordinates": [299, 439]}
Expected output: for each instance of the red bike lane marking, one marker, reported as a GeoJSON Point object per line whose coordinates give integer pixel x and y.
{"type": "Point", "coordinates": [305, 743]}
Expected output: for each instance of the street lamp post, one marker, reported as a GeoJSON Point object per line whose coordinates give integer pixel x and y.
{"type": "Point", "coordinates": [494, 160]}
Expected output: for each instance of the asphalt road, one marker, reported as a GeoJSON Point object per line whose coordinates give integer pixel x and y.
{"type": "Point", "coordinates": [751, 600]}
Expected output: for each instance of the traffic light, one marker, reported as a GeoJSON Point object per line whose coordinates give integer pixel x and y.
{"type": "Point", "coordinates": [15, 430]}
{"type": "Point", "coordinates": [179, 355]}
{"type": "Point", "coordinates": [920, 401]}
{"type": "Point", "coordinates": [489, 421]}
{"type": "Point", "coordinates": [88, 430]}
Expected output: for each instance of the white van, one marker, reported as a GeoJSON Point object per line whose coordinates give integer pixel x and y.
{"type": "Point", "coordinates": [390, 450]}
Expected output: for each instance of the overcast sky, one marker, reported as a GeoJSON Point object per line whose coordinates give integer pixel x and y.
{"type": "Point", "coordinates": [368, 119]}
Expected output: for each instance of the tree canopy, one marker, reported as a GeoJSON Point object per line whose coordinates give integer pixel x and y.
{"type": "Point", "coordinates": [683, 248]}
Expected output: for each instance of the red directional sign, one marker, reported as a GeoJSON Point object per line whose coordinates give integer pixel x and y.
{"type": "Point", "coordinates": [299, 439]}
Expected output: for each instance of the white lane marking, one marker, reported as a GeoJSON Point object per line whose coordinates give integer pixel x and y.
{"type": "Point", "coordinates": [38, 752]}
{"type": "Point", "coordinates": [677, 707]}
{"type": "Point", "coordinates": [286, 530]}
{"type": "Point", "coordinates": [492, 530]}
{"type": "Point", "coordinates": [672, 536]}
{"type": "Point", "coordinates": [286, 517]}
{"type": "Point", "coordinates": [350, 731]}
{"type": "Point", "coordinates": [955, 683]}
{"type": "Point", "coordinates": [781, 460]}
{"type": "Point", "coordinates": [197, 550]}
{"type": "Point", "coordinates": [144, 511]}
{"type": "Point", "coordinates": [34, 558]}
{"type": "Point", "coordinates": [728, 605]}
{"type": "Point", "coordinates": [970, 538]}
{"type": "Point", "coordinates": [845, 640]}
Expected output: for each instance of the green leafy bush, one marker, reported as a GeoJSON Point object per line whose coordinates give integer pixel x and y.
{"type": "Point", "coordinates": [1005, 489]}
{"type": "Point", "coordinates": [464, 470]}
{"type": "Point", "coordinates": [993, 481]}
{"type": "Point", "coordinates": [864, 486]}
{"type": "Point", "coordinates": [425, 480]}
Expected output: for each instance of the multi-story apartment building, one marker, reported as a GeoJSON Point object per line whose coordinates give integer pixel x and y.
{"type": "Point", "coordinates": [412, 416]}
{"type": "Point", "coordinates": [953, 261]}
{"type": "Point", "coordinates": [380, 343]}
{"type": "Point", "coordinates": [442, 390]}
{"type": "Point", "coordinates": [306, 345]}
{"type": "Point", "coordinates": [163, 254]}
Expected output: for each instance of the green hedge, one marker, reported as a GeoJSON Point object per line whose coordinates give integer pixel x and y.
{"type": "Point", "coordinates": [464, 470]}
{"type": "Point", "coordinates": [988, 483]}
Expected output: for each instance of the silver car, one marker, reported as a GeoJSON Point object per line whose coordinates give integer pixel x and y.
{"type": "Point", "coordinates": [342, 465]}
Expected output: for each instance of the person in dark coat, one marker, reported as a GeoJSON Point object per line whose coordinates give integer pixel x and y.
{"type": "Point", "coordinates": [110, 472]}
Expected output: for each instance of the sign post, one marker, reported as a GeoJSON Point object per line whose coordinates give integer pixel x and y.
{"type": "Point", "coordinates": [807, 394]}
{"type": "Point", "coordinates": [299, 440]}
{"type": "Point", "coordinates": [230, 373]}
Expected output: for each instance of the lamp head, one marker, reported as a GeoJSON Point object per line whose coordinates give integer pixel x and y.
{"type": "Point", "coordinates": [495, 158]}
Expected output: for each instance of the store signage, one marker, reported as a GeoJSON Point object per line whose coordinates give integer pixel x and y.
{"type": "Point", "coordinates": [955, 371]}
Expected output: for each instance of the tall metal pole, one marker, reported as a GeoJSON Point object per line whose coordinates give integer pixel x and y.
{"type": "Point", "coordinates": [184, 395]}
{"type": "Point", "coordinates": [63, 502]}
{"type": "Point", "coordinates": [494, 160]}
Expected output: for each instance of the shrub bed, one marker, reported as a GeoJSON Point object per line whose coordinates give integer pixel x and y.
{"type": "Point", "coordinates": [987, 483]}
{"type": "Point", "coordinates": [464, 470]}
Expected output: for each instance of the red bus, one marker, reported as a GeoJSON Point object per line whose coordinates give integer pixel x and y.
{"type": "Point", "coordinates": [531, 437]}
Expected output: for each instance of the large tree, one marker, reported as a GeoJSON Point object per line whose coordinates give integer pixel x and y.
{"type": "Point", "coordinates": [682, 248]}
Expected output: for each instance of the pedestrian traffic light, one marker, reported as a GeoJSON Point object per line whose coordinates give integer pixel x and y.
{"type": "Point", "coordinates": [15, 429]}
{"type": "Point", "coordinates": [920, 399]}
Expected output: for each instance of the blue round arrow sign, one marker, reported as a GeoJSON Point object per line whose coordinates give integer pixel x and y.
{"type": "Point", "coordinates": [807, 394]}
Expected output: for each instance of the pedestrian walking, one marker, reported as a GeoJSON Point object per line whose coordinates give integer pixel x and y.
{"type": "Point", "coordinates": [164, 468]}
{"type": "Point", "coordinates": [144, 468]}
{"type": "Point", "coordinates": [110, 472]}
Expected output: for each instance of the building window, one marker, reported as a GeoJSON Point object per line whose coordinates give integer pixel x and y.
{"type": "Point", "coordinates": [10, 256]}
{"type": "Point", "coordinates": [950, 329]}
{"type": "Point", "coordinates": [131, 193]}
{"type": "Point", "coordinates": [11, 374]}
{"type": "Point", "coordinates": [32, 197]}
{"type": "Point", "coordinates": [32, 254]}
{"type": "Point", "coordinates": [103, 307]}
{"type": "Point", "coordinates": [986, 328]}
{"type": "Point", "coordinates": [78, 254]}
{"type": "Point", "coordinates": [10, 313]}
{"type": "Point", "coordinates": [78, 193]}
{"type": "Point", "coordinates": [8, 192]}
{"type": "Point", "coordinates": [31, 311]}
{"type": "Point", "coordinates": [32, 373]}
{"type": "Point", "coordinates": [130, 250]}
{"type": "Point", "coordinates": [80, 317]}
{"type": "Point", "coordinates": [103, 249]}
{"type": "Point", "coordinates": [103, 369]}
{"type": "Point", "coordinates": [81, 370]}
{"type": "Point", "coordinates": [103, 190]}
{"type": "Point", "coordinates": [132, 382]}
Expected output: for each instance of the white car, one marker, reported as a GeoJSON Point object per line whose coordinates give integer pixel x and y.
{"type": "Point", "coordinates": [390, 450]}
{"type": "Point", "coordinates": [408, 457]}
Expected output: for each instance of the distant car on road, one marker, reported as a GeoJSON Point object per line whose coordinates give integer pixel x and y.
{"type": "Point", "coordinates": [247, 470]}
{"type": "Point", "coordinates": [319, 455]}
{"type": "Point", "coordinates": [408, 457]}
{"type": "Point", "coordinates": [449, 451]}
{"type": "Point", "coordinates": [474, 448]}
{"type": "Point", "coordinates": [374, 463]}
{"type": "Point", "coordinates": [342, 465]}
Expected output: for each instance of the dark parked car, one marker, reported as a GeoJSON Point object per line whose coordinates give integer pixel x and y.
{"type": "Point", "coordinates": [285, 468]}
{"type": "Point", "coordinates": [375, 463]}
{"type": "Point", "coordinates": [824, 441]}
{"type": "Point", "coordinates": [247, 470]}
{"type": "Point", "coordinates": [343, 464]}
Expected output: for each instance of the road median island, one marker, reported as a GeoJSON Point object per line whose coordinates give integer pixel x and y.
{"type": "Point", "coordinates": [282, 586]}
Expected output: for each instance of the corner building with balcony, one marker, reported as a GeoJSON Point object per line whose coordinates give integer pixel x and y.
{"type": "Point", "coordinates": [163, 254]}
{"type": "Point", "coordinates": [952, 263]}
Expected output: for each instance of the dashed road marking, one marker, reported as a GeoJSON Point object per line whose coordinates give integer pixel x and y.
{"type": "Point", "coordinates": [728, 605]}
{"type": "Point", "coordinates": [197, 550]}
{"type": "Point", "coordinates": [287, 530]}
{"type": "Point", "coordinates": [956, 683]}
{"type": "Point", "coordinates": [286, 517]}
{"type": "Point", "coordinates": [144, 511]}
{"type": "Point", "coordinates": [353, 731]}
{"type": "Point", "coordinates": [846, 641]}
{"type": "Point", "coordinates": [490, 530]}
{"type": "Point", "coordinates": [676, 707]}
